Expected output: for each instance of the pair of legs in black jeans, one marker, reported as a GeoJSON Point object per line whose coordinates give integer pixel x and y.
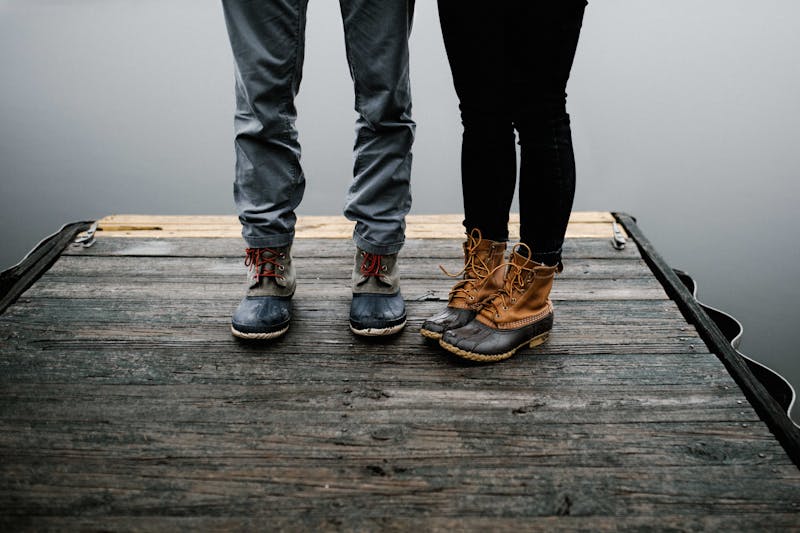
{"type": "Point", "coordinates": [510, 61]}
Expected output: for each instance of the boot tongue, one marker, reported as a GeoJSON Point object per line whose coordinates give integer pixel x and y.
{"type": "Point", "coordinates": [524, 271]}
{"type": "Point", "coordinates": [520, 260]}
{"type": "Point", "coordinates": [482, 250]}
{"type": "Point", "coordinates": [383, 267]}
{"type": "Point", "coordinates": [255, 281]}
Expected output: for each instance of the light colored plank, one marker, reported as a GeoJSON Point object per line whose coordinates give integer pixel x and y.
{"type": "Point", "coordinates": [583, 224]}
{"type": "Point", "coordinates": [452, 218]}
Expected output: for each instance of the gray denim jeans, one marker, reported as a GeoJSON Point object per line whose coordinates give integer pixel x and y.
{"type": "Point", "coordinates": [267, 38]}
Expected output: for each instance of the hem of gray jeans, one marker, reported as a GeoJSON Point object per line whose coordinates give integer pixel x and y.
{"type": "Point", "coordinates": [374, 248]}
{"type": "Point", "coordinates": [279, 240]}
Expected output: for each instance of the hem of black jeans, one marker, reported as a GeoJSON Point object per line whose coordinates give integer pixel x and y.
{"type": "Point", "coordinates": [486, 235]}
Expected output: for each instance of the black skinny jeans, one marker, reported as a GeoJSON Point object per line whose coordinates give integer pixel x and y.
{"type": "Point", "coordinates": [510, 68]}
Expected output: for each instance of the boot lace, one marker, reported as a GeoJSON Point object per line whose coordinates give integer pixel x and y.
{"type": "Point", "coordinates": [256, 258]}
{"type": "Point", "coordinates": [371, 265]}
{"type": "Point", "coordinates": [515, 280]}
{"type": "Point", "coordinates": [473, 266]}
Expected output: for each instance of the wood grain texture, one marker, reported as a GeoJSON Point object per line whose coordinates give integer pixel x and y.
{"type": "Point", "coordinates": [583, 224]}
{"type": "Point", "coordinates": [326, 248]}
{"type": "Point", "coordinates": [125, 403]}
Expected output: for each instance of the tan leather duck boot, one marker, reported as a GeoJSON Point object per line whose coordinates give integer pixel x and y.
{"type": "Point", "coordinates": [482, 277]}
{"type": "Point", "coordinates": [519, 313]}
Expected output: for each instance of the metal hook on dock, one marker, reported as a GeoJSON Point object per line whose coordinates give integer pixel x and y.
{"type": "Point", "coordinates": [618, 241]}
{"type": "Point", "coordinates": [87, 238]}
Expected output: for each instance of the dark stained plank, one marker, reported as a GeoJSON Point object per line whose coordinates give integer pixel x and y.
{"type": "Point", "coordinates": [228, 269]}
{"type": "Point", "coordinates": [562, 520]}
{"type": "Point", "coordinates": [323, 288]}
{"type": "Point", "coordinates": [314, 248]}
{"type": "Point", "coordinates": [33, 310]}
{"type": "Point", "coordinates": [398, 489]}
{"type": "Point", "coordinates": [194, 395]}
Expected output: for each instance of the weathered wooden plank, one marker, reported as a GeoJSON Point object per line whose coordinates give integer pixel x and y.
{"type": "Point", "coordinates": [210, 247]}
{"type": "Point", "coordinates": [44, 311]}
{"type": "Point", "coordinates": [194, 395]}
{"type": "Point", "coordinates": [83, 268]}
{"type": "Point", "coordinates": [228, 288]}
{"type": "Point", "coordinates": [319, 326]}
{"type": "Point", "coordinates": [561, 520]}
{"type": "Point", "coordinates": [129, 362]}
{"type": "Point", "coordinates": [245, 439]}
{"type": "Point", "coordinates": [306, 220]}
{"type": "Point", "coordinates": [320, 333]}
{"type": "Point", "coordinates": [400, 489]}
{"type": "Point", "coordinates": [323, 334]}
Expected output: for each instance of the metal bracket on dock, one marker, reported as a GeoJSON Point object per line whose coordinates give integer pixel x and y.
{"type": "Point", "coordinates": [618, 241]}
{"type": "Point", "coordinates": [16, 280]}
{"type": "Point", "coordinates": [87, 238]}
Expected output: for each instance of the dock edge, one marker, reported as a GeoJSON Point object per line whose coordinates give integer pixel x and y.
{"type": "Point", "coordinates": [17, 279]}
{"type": "Point", "coordinates": [767, 408]}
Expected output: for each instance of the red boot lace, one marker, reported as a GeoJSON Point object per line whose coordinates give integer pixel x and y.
{"type": "Point", "coordinates": [256, 258]}
{"type": "Point", "coordinates": [371, 265]}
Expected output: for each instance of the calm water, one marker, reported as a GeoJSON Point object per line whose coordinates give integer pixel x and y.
{"type": "Point", "coordinates": [685, 115]}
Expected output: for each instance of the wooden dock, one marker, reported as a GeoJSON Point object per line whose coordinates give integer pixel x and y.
{"type": "Point", "coordinates": [125, 403]}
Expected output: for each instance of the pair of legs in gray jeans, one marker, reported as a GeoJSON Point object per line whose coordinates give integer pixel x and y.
{"type": "Point", "coordinates": [267, 38]}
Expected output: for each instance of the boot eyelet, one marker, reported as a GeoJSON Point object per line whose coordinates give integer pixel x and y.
{"type": "Point", "coordinates": [281, 278]}
{"type": "Point", "coordinates": [383, 268]}
{"type": "Point", "coordinates": [513, 300]}
{"type": "Point", "coordinates": [505, 308]}
{"type": "Point", "coordinates": [282, 256]}
{"type": "Point", "coordinates": [281, 268]}
{"type": "Point", "coordinates": [471, 297]}
{"type": "Point", "coordinates": [497, 315]}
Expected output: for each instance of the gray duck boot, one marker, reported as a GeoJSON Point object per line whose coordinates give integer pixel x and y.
{"type": "Point", "coordinates": [265, 311]}
{"type": "Point", "coordinates": [377, 307]}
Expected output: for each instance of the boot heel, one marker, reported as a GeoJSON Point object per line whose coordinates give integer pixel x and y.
{"type": "Point", "coordinates": [536, 341]}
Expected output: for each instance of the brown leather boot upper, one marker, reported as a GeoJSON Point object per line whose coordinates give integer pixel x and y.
{"type": "Point", "coordinates": [524, 297]}
{"type": "Point", "coordinates": [482, 275]}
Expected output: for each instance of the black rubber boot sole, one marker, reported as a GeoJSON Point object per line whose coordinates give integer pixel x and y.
{"type": "Point", "coordinates": [474, 356]}
{"type": "Point", "coordinates": [377, 331]}
{"type": "Point", "coordinates": [478, 342]}
{"type": "Point", "coordinates": [260, 336]}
